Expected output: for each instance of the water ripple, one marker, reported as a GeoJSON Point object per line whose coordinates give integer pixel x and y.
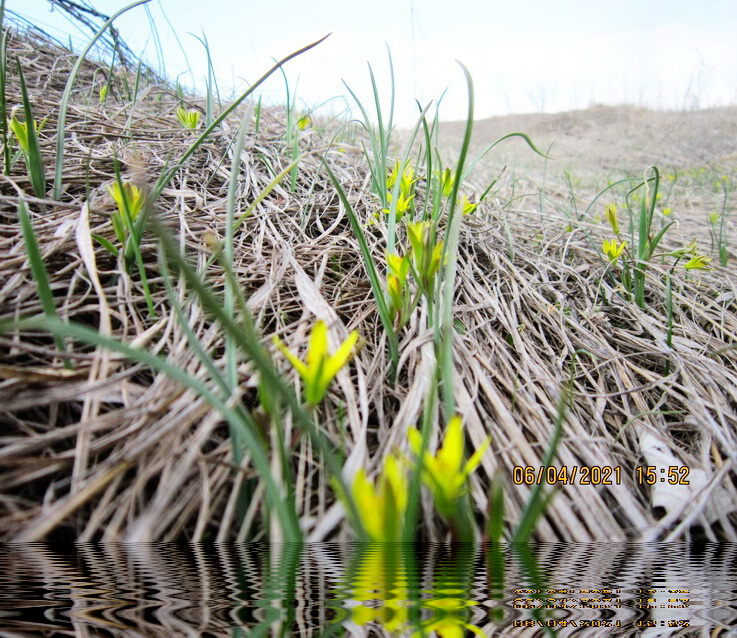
{"type": "Point", "coordinates": [323, 589]}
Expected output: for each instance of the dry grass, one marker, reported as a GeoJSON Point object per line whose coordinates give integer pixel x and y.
{"type": "Point", "coordinates": [114, 451]}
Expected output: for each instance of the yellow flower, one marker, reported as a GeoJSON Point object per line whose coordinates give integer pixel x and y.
{"type": "Point", "coordinates": [20, 130]}
{"type": "Point", "coordinates": [426, 256]}
{"type": "Point", "coordinates": [611, 216]}
{"type": "Point", "coordinates": [468, 206]}
{"type": "Point", "coordinates": [449, 627]}
{"type": "Point", "coordinates": [403, 204]}
{"type": "Point", "coordinates": [447, 180]}
{"type": "Point", "coordinates": [613, 249]}
{"type": "Point", "coordinates": [188, 119]}
{"type": "Point", "coordinates": [698, 262]}
{"type": "Point", "coordinates": [446, 474]}
{"type": "Point", "coordinates": [381, 508]}
{"type": "Point", "coordinates": [303, 122]}
{"type": "Point", "coordinates": [129, 198]}
{"type": "Point", "coordinates": [320, 368]}
{"type": "Point", "coordinates": [407, 178]}
{"type": "Point", "coordinates": [398, 270]}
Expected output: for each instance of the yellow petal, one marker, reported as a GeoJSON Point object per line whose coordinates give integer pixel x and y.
{"type": "Point", "coordinates": [415, 440]}
{"type": "Point", "coordinates": [416, 233]}
{"type": "Point", "coordinates": [397, 265]}
{"type": "Point", "coordinates": [298, 365]}
{"type": "Point", "coordinates": [317, 349]}
{"type": "Point", "coordinates": [475, 459]}
{"type": "Point", "coordinates": [340, 357]}
{"type": "Point", "coordinates": [450, 454]}
{"type": "Point", "coordinates": [367, 504]}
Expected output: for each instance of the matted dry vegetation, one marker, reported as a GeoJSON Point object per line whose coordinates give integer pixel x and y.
{"type": "Point", "coordinates": [114, 451]}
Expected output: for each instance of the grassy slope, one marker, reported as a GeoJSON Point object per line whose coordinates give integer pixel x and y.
{"type": "Point", "coordinates": [115, 451]}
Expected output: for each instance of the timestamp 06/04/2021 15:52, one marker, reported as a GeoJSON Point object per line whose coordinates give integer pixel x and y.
{"type": "Point", "coordinates": [598, 475]}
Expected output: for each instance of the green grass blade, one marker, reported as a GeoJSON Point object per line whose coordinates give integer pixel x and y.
{"type": "Point", "coordinates": [450, 255]}
{"type": "Point", "coordinates": [178, 41]}
{"type": "Point", "coordinates": [230, 346]}
{"type": "Point", "coordinates": [495, 521]}
{"type": "Point", "coordinates": [64, 103]}
{"type": "Point", "coordinates": [371, 271]}
{"type": "Point", "coordinates": [38, 269]}
{"type": "Point", "coordinates": [157, 42]}
{"type": "Point", "coordinates": [538, 502]}
{"type": "Point", "coordinates": [3, 101]}
{"type": "Point", "coordinates": [33, 154]}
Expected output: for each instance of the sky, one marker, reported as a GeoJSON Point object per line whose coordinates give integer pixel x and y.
{"type": "Point", "coordinates": [523, 55]}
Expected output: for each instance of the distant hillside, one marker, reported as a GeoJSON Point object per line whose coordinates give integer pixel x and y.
{"type": "Point", "coordinates": [612, 139]}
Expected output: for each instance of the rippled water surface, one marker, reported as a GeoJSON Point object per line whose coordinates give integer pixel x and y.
{"type": "Point", "coordinates": [361, 590]}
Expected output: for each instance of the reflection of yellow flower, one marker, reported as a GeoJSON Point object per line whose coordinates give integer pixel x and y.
{"type": "Point", "coordinates": [450, 627]}
{"type": "Point", "coordinates": [320, 368]}
{"type": "Point", "coordinates": [446, 473]}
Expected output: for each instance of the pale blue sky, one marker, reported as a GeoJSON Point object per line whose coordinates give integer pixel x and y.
{"type": "Point", "coordinates": [524, 55]}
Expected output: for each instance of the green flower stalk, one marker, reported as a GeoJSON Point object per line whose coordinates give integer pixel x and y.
{"type": "Point", "coordinates": [188, 118]}
{"type": "Point", "coordinates": [445, 474]}
{"type": "Point", "coordinates": [319, 368]}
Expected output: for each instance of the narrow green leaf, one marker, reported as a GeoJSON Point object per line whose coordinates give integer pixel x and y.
{"type": "Point", "coordinates": [373, 275]}
{"type": "Point", "coordinates": [38, 269]}
{"type": "Point", "coordinates": [33, 153]}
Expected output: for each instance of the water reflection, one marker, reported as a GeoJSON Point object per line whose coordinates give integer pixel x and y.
{"type": "Point", "coordinates": [368, 589]}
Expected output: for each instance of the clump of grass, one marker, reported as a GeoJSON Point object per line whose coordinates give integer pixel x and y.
{"type": "Point", "coordinates": [631, 259]}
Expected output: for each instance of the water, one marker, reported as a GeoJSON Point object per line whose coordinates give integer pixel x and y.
{"type": "Point", "coordinates": [328, 589]}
